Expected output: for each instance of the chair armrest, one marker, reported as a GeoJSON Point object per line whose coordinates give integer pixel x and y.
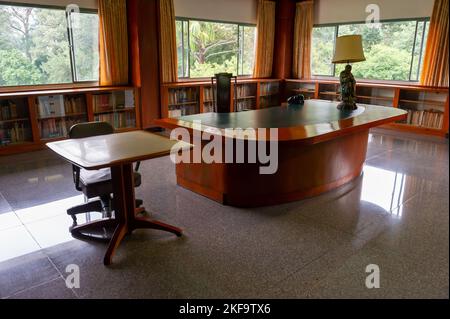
{"type": "Point", "coordinates": [76, 177]}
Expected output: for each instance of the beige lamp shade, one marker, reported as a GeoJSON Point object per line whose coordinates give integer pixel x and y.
{"type": "Point", "coordinates": [349, 49]}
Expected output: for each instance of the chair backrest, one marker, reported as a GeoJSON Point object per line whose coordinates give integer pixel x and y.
{"type": "Point", "coordinates": [222, 92]}
{"type": "Point", "coordinates": [88, 129]}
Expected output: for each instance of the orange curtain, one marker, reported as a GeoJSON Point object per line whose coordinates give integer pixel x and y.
{"type": "Point", "coordinates": [435, 63]}
{"type": "Point", "coordinates": [167, 40]}
{"type": "Point", "coordinates": [113, 42]}
{"type": "Point", "coordinates": [265, 37]}
{"type": "Point", "coordinates": [301, 64]}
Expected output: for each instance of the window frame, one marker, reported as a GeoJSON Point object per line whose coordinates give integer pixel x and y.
{"type": "Point", "coordinates": [417, 20]}
{"type": "Point", "coordinates": [239, 52]}
{"type": "Point", "coordinates": [74, 83]}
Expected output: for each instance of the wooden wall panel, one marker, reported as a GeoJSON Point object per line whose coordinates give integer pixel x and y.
{"type": "Point", "coordinates": [284, 37]}
{"type": "Point", "coordinates": [144, 57]}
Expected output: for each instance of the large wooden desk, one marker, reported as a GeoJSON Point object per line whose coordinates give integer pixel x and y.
{"type": "Point", "coordinates": [320, 148]}
{"type": "Point", "coordinates": [119, 152]}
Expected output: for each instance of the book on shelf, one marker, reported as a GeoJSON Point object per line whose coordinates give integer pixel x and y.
{"type": "Point", "coordinates": [425, 118]}
{"type": "Point", "coordinates": [102, 102]}
{"type": "Point", "coordinates": [268, 101]}
{"type": "Point", "coordinates": [112, 101]}
{"type": "Point", "coordinates": [208, 94]}
{"type": "Point", "coordinates": [245, 105]}
{"type": "Point", "coordinates": [74, 105]}
{"type": "Point", "coordinates": [244, 90]}
{"type": "Point", "coordinates": [182, 95]}
{"type": "Point", "coordinates": [15, 133]}
{"type": "Point", "coordinates": [208, 108]}
{"type": "Point", "coordinates": [118, 120]}
{"type": "Point", "coordinates": [129, 99]}
{"type": "Point", "coordinates": [57, 127]}
{"type": "Point", "coordinates": [269, 88]}
{"type": "Point", "coordinates": [59, 105]}
{"type": "Point", "coordinates": [181, 111]}
{"type": "Point", "coordinates": [50, 105]}
{"type": "Point", "coordinates": [8, 110]}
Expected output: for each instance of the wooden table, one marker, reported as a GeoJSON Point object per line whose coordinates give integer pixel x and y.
{"type": "Point", "coordinates": [319, 148]}
{"type": "Point", "coordinates": [119, 152]}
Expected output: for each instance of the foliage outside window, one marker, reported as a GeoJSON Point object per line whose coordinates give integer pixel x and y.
{"type": "Point", "coordinates": [205, 48]}
{"type": "Point", "coordinates": [394, 51]}
{"type": "Point", "coordinates": [47, 46]}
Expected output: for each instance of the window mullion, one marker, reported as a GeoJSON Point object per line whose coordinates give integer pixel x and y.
{"type": "Point", "coordinates": [413, 50]}
{"type": "Point", "coordinates": [71, 46]}
{"type": "Point", "coordinates": [421, 48]}
{"type": "Point", "coordinates": [336, 34]}
{"type": "Point", "coordinates": [238, 58]}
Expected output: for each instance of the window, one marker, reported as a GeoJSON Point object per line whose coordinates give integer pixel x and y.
{"type": "Point", "coordinates": [47, 46]}
{"type": "Point", "coordinates": [394, 50]}
{"type": "Point", "coordinates": [206, 48]}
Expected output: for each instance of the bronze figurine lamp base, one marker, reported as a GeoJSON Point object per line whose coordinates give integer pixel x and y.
{"type": "Point", "coordinates": [348, 50]}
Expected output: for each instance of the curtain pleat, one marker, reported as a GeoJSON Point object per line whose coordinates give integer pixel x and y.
{"type": "Point", "coordinates": [167, 42]}
{"type": "Point", "coordinates": [301, 64]}
{"type": "Point", "coordinates": [113, 42]}
{"type": "Point", "coordinates": [435, 63]}
{"type": "Point", "coordinates": [265, 29]}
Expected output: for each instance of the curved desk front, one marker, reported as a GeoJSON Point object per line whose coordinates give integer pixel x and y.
{"type": "Point", "coordinates": [319, 148]}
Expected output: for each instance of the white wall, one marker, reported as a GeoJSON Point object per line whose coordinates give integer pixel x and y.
{"type": "Point", "coordinates": [86, 4]}
{"type": "Point", "coordinates": [243, 11]}
{"type": "Point", "coordinates": [334, 11]}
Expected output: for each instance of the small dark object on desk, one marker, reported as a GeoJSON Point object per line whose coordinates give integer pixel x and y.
{"type": "Point", "coordinates": [296, 99]}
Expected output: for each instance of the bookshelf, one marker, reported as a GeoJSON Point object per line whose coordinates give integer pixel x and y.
{"type": "Point", "coordinates": [115, 107]}
{"type": "Point", "coordinates": [29, 119]}
{"type": "Point", "coordinates": [309, 89]}
{"type": "Point", "coordinates": [245, 98]}
{"type": "Point", "coordinates": [183, 101]}
{"type": "Point", "coordinates": [207, 98]}
{"type": "Point", "coordinates": [15, 127]}
{"type": "Point", "coordinates": [427, 107]}
{"type": "Point", "coordinates": [183, 98]}
{"type": "Point", "coordinates": [57, 113]}
{"type": "Point", "coordinates": [269, 94]}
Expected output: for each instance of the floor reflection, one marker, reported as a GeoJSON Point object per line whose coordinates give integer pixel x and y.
{"type": "Point", "coordinates": [33, 228]}
{"type": "Point", "coordinates": [383, 188]}
{"type": "Point", "coordinates": [34, 195]}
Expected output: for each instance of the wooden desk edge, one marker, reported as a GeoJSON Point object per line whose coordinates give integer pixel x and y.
{"type": "Point", "coordinates": [287, 134]}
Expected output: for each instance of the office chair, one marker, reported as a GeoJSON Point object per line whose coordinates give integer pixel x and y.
{"type": "Point", "coordinates": [95, 183]}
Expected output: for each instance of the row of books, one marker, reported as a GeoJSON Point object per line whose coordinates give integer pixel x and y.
{"type": "Point", "coordinates": [59, 105]}
{"type": "Point", "coordinates": [114, 100]}
{"type": "Point", "coordinates": [59, 127]}
{"type": "Point", "coordinates": [16, 133]}
{"type": "Point", "coordinates": [182, 95]}
{"type": "Point", "coordinates": [208, 107]}
{"type": "Point", "coordinates": [208, 94]}
{"type": "Point", "coordinates": [426, 118]}
{"type": "Point", "coordinates": [182, 110]}
{"type": "Point", "coordinates": [245, 105]}
{"type": "Point", "coordinates": [269, 88]}
{"type": "Point", "coordinates": [268, 101]}
{"type": "Point", "coordinates": [245, 90]}
{"type": "Point", "coordinates": [8, 110]}
{"type": "Point", "coordinates": [118, 120]}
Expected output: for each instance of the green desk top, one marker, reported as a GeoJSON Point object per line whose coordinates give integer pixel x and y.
{"type": "Point", "coordinates": [313, 122]}
{"type": "Point", "coordinates": [312, 112]}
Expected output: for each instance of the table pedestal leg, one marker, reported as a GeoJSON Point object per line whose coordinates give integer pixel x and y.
{"type": "Point", "coordinates": [125, 210]}
{"type": "Point", "coordinates": [119, 234]}
{"type": "Point", "coordinates": [142, 222]}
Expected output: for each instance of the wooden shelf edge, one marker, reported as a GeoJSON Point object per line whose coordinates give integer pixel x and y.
{"type": "Point", "coordinates": [415, 129]}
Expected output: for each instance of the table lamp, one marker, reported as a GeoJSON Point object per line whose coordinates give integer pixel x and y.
{"type": "Point", "coordinates": [348, 50]}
